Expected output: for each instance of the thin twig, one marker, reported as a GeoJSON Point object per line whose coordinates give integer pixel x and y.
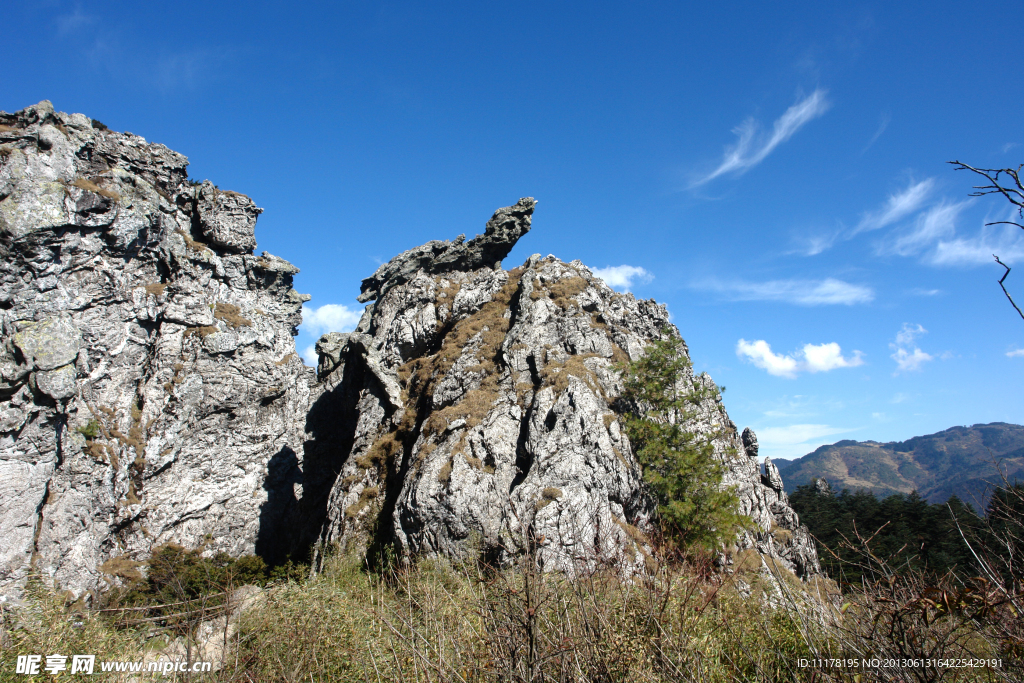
{"type": "Point", "coordinates": [1012, 303]}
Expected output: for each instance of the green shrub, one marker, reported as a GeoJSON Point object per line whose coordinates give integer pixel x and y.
{"type": "Point", "coordinates": [680, 467]}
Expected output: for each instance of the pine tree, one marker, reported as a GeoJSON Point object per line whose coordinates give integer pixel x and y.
{"type": "Point", "coordinates": [680, 467]}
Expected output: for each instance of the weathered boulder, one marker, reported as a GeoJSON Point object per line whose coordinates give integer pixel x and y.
{"type": "Point", "coordinates": [149, 386]}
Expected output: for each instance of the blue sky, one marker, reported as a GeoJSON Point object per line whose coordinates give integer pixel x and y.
{"type": "Point", "coordinates": [777, 177]}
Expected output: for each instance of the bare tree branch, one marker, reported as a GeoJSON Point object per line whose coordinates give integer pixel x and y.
{"type": "Point", "coordinates": [1014, 192]}
{"type": "Point", "coordinates": [1004, 286]}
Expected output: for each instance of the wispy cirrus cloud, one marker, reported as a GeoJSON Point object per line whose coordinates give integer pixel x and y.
{"type": "Point", "coordinates": [828, 291]}
{"type": "Point", "coordinates": [623, 277]}
{"type": "Point", "coordinates": [1015, 353]}
{"type": "Point", "coordinates": [752, 147]}
{"type": "Point", "coordinates": [883, 123]}
{"type": "Point", "coordinates": [1005, 240]}
{"type": "Point", "coordinates": [811, 358]}
{"type": "Point", "coordinates": [929, 227]}
{"type": "Point", "coordinates": [897, 207]}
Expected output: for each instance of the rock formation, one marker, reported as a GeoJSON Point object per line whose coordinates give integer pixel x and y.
{"type": "Point", "coordinates": [149, 375]}
{"type": "Point", "coordinates": [150, 390]}
{"type": "Point", "coordinates": [475, 410]}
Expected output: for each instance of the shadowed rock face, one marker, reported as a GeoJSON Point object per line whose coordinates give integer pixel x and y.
{"type": "Point", "coordinates": [150, 391]}
{"type": "Point", "coordinates": [149, 386]}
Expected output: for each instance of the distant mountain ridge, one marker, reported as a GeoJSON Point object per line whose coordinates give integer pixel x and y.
{"type": "Point", "coordinates": [958, 461]}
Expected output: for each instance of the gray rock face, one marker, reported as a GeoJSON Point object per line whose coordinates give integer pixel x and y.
{"type": "Point", "coordinates": [149, 386]}
{"type": "Point", "coordinates": [150, 391]}
{"type": "Point", "coordinates": [475, 409]}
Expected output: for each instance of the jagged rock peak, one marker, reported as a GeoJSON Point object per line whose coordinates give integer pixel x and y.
{"type": "Point", "coordinates": [477, 410]}
{"type": "Point", "coordinates": [750, 446]}
{"type": "Point", "coordinates": [501, 233]}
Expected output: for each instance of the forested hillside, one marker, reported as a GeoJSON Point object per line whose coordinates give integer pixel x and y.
{"type": "Point", "coordinates": [961, 461]}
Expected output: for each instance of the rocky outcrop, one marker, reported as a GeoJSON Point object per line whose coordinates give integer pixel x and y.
{"type": "Point", "coordinates": [475, 409]}
{"type": "Point", "coordinates": [150, 391]}
{"type": "Point", "coordinates": [150, 388]}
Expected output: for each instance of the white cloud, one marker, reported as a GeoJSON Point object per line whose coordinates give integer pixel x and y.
{"type": "Point", "coordinates": [931, 226]}
{"type": "Point", "coordinates": [1005, 240]}
{"type": "Point", "coordinates": [328, 318]}
{"type": "Point", "coordinates": [623, 276]}
{"type": "Point", "coordinates": [751, 149]}
{"type": "Point", "coordinates": [811, 358]}
{"type": "Point", "coordinates": [801, 292]}
{"type": "Point", "coordinates": [760, 354]}
{"type": "Point", "coordinates": [825, 357]}
{"type": "Point", "coordinates": [816, 244]}
{"type": "Point", "coordinates": [908, 333]}
{"type": "Point", "coordinates": [906, 353]}
{"type": "Point", "coordinates": [898, 206]}
{"type": "Point", "coordinates": [1016, 353]}
{"type": "Point", "coordinates": [920, 291]}
{"type": "Point", "coordinates": [310, 355]}
{"type": "Point", "coordinates": [795, 440]}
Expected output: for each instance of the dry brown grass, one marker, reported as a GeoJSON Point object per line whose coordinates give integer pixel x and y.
{"type": "Point", "coordinates": [192, 244]}
{"type": "Point", "coordinates": [231, 315]}
{"type": "Point", "coordinates": [90, 186]}
{"type": "Point", "coordinates": [562, 292]}
{"type": "Point", "coordinates": [549, 495]}
{"type": "Point", "coordinates": [201, 331]}
{"type": "Point", "coordinates": [436, 621]}
{"type": "Point", "coordinates": [556, 374]}
{"type": "Point", "coordinates": [366, 496]}
{"type": "Point", "coordinates": [156, 288]}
